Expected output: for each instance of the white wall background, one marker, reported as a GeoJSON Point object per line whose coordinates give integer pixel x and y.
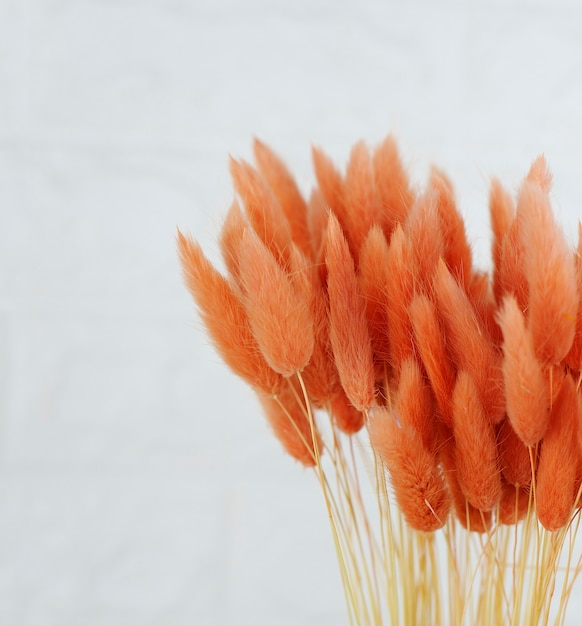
{"type": "Point", "coordinates": [139, 484]}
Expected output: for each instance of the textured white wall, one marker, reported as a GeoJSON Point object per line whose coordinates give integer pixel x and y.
{"type": "Point", "coordinates": [138, 482]}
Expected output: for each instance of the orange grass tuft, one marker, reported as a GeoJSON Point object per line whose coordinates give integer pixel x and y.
{"type": "Point", "coordinates": [281, 320]}
{"type": "Point", "coordinates": [417, 480]}
{"type": "Point", "coordinates": [423, 230]}
{"type": "Point", "coordinates": [513, 505]}
{"type": "Point", "coordinates": [501, 211]}
{"type": "Point", "coordinates": [287, 193]}
{"type": "Point", "coordinates": [400, 293]}
{"type": "Point", "coordinates": [470, 343]}
{"type": "Point", "coordinates": [320, 374]}
{"type": "Point", "coordinates": [430, 342]}
{"type": "Point", "coordinates": [393, 185]}
{"type": "Point", "coordinates": [574, 356]}
{"type": "Point", "coordinates": [331, 185]}
{"type": "Point", "coordinates": [373, 278]}
{"type": "Point", "coordinates": [263, 209]}
{"type": "Point", "coordinates": [551, 275]}
{"type": "Point", "coordinates": [457, 252]}
{"type": "Point", "coordinates": [514, 456]}
{"type": "Point", "coordinates": [349, 335]}
{"type": "Point", "coordinates": [526, 391]}
{"type": "Point", "coordinates": [287, 416]}
{"type": "Point", "coordinates": [231, 234]}
{"type": "Point", "coordinates": [415, 406]}
{"type": "Point", "coordinates": [475, 446]}
{"type": "Point", "coordinates": [556, 476]}
{"type": "Point", "coordinates": [317, 224]}
{"type": "Point", "coordinates": [225, 318]}
{"type": "Point", "coordinates": [348, 419]}
{"type": "Point", "coordinates": [540, 174]}
{"type": "Point", "coordinates": [363, 208]}
{"type": "Point", "coordinates": [470, 517]}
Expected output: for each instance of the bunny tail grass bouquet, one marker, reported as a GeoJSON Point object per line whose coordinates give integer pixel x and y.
{"type": "Point", "coordinates": [379, 352]}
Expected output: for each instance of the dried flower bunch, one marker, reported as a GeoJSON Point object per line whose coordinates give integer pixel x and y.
{"type": "Point", "coordinates": [362, 304]}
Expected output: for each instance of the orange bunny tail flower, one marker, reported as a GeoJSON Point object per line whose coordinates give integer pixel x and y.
{"type": "Point", "coordinates": [415, 406]}
{"type": "Point", "coordinates": [363, 208]}
{"type": "Point", "coordinates": [225, 318]}
{"type": "Point", "coordinates": [574, 356]}
{"type": "Point", "coordinates": [540, 174]}
{"type": "Point", "coordinates": [551, 275]}
{"type": "Point", "coordinates": [457, 252]}
{"type": "Point", "coordinates": [513, 505]}
{"type": "Point", "coordinates": [476, 446]}
{"type": "Point", "coordinates": [331, 185]}
{"type": "Point", "coordinates": [471, 344]}
{"type": "Point", "coordinates": [373, 276]}
{"type": "Point", "coordinates": [285, 189]}
{"type": "Point", "coordinates": [320, 374]}
{"type": "Point", "coordinates": [348, 419]}
{"type": "Point", "coordinates": [349, 335]}
{"type": "Point", "coordinates": [400, 263]}
{"type": "Point", "coordinates": [430, 342]}
{"type": "Point", "coordinates": [501, 211]}
{"type": "Point", "coordinates": [393, 185]}
{"type": "Point", "coordinates": [556, 477]}
{"type": "Point", "coordinates": [288, 418]}
{"type": "Point", "coordinates": [263, 209]}
{"type": "Point", "coordinates": [230, 237]}
{"type": "Point", "coordinates": [525, 384]}
{"type": "Point", "coordinates": [281, 320]}
{"type": "Point", "coordinates": [470, 518]}
{"type": "Point", "coordinates": [514, 457]}
{"type": "Point", "coordinates": [423, 230]}
{"type": "Point", "coordinates": [417, 480]}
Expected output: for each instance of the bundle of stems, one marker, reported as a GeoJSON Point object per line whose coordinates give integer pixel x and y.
{"type": "Point", "coordinates": [382, 357]}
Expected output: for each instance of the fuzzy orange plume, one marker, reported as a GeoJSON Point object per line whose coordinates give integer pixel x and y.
{"type": "Point", "coordinates": [526, 391]}
{"type": "Point", "coordinates": [348, 419]}
{"type": "Point", "coordinates": [472, 347]}
{"type": "Point", "coordinates": [349, 335]}
{"type": "Point", "coordinates": [288, 418]}
{"type": "Point", "coordinates": [501, 211]}
{"type": "Point", "coordinates": [556, 477]}
{"type": "Point", "coordinates": [373, 278]}
{"type": "Point", "coordinates": [285, 189]}
{"type": "Point", "coordinates": [430, 342]}
{"type": "Point", "coordinates": [574, 356]}
{"type": "Point", "coordinates": [363, 207]}
{"type": "Point", "coordinates": [540, 174]}
{"type": "Point", "coordinates": [513, 505]}
{"type": "Point", "coordinates": [417, 480]}
{"type": "Point", "coordinates": [481, 297]}
{"type": "Point", "coordinates": [281, 319]}
{"type": "Point", "coordinates": [400, 293]}
{"type": "Point", "coordinates": [392, 184]}
{"type": "Point", "coordinates": [263, 209]}
{"type": "Point", "coordinates": [457, 252]}
{"type": "Point", "coordinates": [331, 185]}
{"type": "Point", "coordinates": [422, 228]}
{"type": "Point", "coordinates": [230, 236]}
{"type": "Point", "coordinates": [471, 518]}
{"type": "Point", "coordinates": [475, 446]}
{"type": "Point", "coordinates": [225, 318]}
{"type": "Point", "coordinates": [514, 457]}
{"type": "Point", "coordinates": [320, 374]}
{"type": "Point", "coordinates": [551, 275]}
{"type": "Point", "coordinates": [415, 405]}
{"type": "Point", "coordinates": [317, 223]}
{"type": "Point", "coordinates": [512, 274]}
